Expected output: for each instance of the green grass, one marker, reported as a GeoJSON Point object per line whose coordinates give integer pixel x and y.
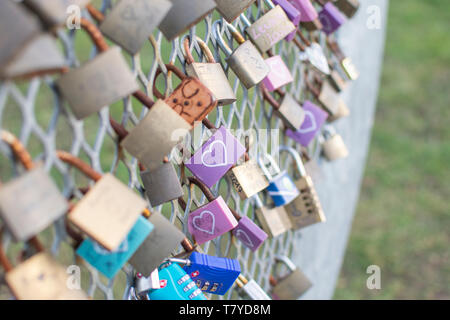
{"type": "Point", "coordinates": [402, 221]}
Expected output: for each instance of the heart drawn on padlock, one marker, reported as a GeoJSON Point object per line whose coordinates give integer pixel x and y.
{"type": "Point", "coordinates": [200, 223]}
{"type": "Point", "coordinates": [245, 239]}
{"type": "Point", "coordinates": [312, 125]}
{"type": "Point", "coordinates": [209, 157]}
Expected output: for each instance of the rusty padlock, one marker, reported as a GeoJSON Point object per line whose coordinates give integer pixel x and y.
{"type": "Point", "coordinates": [246, 61]}
{"type": "Point", "coordinates": [211, 73]}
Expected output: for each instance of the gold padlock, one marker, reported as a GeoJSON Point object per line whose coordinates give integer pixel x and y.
{"type": "Point", "coordinates": [333, 145]}
{"type": "Point", "coordinates": [337, 81]}
{"type": "Point", "coordinates": [345, 62]}
{"type": "Point", "coordinates": [248, 179]}
{"type": "Point", "coordinates": [231, 9]}
{"type": "Point", "coordinates": [274, 221]}
{"type": "Point", "coordinates": [306, 209]}
{"type": "Point", "coordinates": [348, 7]}
{"type": "Point", "coordinates": [109, 209]}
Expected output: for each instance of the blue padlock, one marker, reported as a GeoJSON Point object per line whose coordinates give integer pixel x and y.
{"type": "Point", "coordinates": [109, 263]}
{"type": "Point", "coordinates": [211, 274]}
{"type": "Point", "coordinates": [281, 187]}
{"type": "Point", "coordinates": [175, 284]}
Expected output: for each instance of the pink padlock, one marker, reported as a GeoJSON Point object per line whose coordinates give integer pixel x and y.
{"type": "Point", "coordinates": [212, 219]}
{"type": "Point", "coordinates": [309, 17]}
{"type": "Point", "coordinates": [279, 74]}
{"type": "Point", "coordinates": [249, 234]}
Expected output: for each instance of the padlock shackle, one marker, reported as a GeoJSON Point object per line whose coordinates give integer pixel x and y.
{"type": "Point", "coordinates": [172, 68]}
{"type": "Point", "coordinates": [18, 149]}
{"type": "Point", "coordinates": [217, 25]}
{"type": "Point", "coordinates": [335, 48]}
{"type": "Point", "coordinates": [203, 46]}
{"type": "Point", "coordinates": [272, 162]}
{"type": "Point", "coordinates": [270, 4]}
{"type": "Point", "coordinates": [298, 160]}
{"type": "Point", "coordinates": [287, 262]}
{"type": "Point", "coordinates": [304, 39]}
{"type": "Point", "coordinates": [79, 164]}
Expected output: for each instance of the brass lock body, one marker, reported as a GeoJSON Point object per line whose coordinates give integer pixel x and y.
{"type": "Point", "coordinates": [334, 148]}
{"type": "Point", "coordinates": [248, 179]}
{"type": "Point", "coordinates": [274, 221]}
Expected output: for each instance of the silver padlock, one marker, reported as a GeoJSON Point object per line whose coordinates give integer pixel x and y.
{"type": "Point", "coordinates": [246, 61]}
{"type": "Point", "coordinates": [231, 9]}
{"type": "Point", "coordinates": [251, 289]}
{"type": "Point", "coordinates": [144, 284]}
{"type": "Point", "coordinates": [292, 285]}
{"type": "Point", "coordinates": [333, 146]}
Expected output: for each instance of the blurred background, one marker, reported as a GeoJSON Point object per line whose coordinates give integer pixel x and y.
{"type": "Point", "coordinates": [403, 216]}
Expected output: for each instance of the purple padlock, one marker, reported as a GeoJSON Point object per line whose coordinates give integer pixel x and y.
{"type": "Point", "coordinates": [331, 18]}
{"type": "Point", "coordinates": [249, 233]}
{"type": "Point", "coordinates": [293, 14]}
{"type": "Point", "coordinates": [211, 221]}
{"type": "Point", "coordinates": [215, 157]}
{"type": "Point", "coordinates": [307, 11]}
{"type": "Point", "coordinates": [315, 117]}
{"type": "Point", "coordinates": [279, 74]}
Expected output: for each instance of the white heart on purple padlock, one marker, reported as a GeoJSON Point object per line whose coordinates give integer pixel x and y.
{"type": "Point", "coordinates": [313, 123]}
{"type": "Point", "coordinates": [201, 218]}
{"type": "Point", "coordinates": [245, 239]}
{"type": "Point", "coordinates": [210, 156]}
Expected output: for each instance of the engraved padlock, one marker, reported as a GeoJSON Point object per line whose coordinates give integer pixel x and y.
{"type": "Point", "coordinates": [183, 15]}
{"type": "Point", "coordinates": [246, 61]}
{"type": "Point", "coordinates": [192, 100]}
{"type": "Point", "coordinates": [217, 155]}
{"type": "Point", "coordinates": [131, 22]}
{"type": "Point", "coordinates": [309, 18]}
{"type": "Point", "coordinates": [331, 18]}
{"type": "Point", "coordinates": [274, 221]}
{"type": "Point", "coordinates": [18, 28]}
{"type": "Point", "coordinates": [99, 82]}
{"type": "Point", "coordinates": [315, 117]}
{"type": "Point", "coordinates": [306, 209]}
{"type": "Point", "coordinates": [248, 179]}
{"type": "Point", "coordinates": [40, 277]}
{"type": "Point", "coordinates": [175, 284]}
{"type": "Point", "coordinates": [211, 74]}
{"type": "Point", "coordinates": [251, 289]}
{"type": "Point", "coordinates": [231, 9]}
{"type": "Point", "coordinates": [108, 262]}
{"type": "Point", "coordinates": [25, 209]}
{"type": "Point", "coordinates": [249, 234]}
{"type": "Point", "coordinates": [212, 219]}
{"type": "Point", "coordinates": [156, 134]}
{"type": "Point", "coordinates": [333, 146]}
{"type": "Point", "coordinates": [281, 188]}
{"type": "Point", "coordinates": [211, 274]}
{"type": "Point", "coordinates": [162, 184]}
{"type": "Point", "coordinates": [293, 14]}
{"type": "Point", "coordinates": [109, 202]}
{"type": "Point", "coordinates": [292, 285]}
{"type": "Point", "coordinates": [279, 74]}
{"type": "Point", "coordinates": [162, 241]}
{"type": "Point", "coordinates": [348, 7]}
{"type": "Point", "coordinates": [288, 110]}
{"type": "Point", "coordinates": [269, 29]}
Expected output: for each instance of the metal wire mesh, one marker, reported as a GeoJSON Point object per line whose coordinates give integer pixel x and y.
{"type": "Point", "coordinates": [39, 117]}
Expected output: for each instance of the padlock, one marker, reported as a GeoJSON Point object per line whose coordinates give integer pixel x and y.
{"type": "Point", "coordinates": [183, 15]}
{"type": "Point", "coordinates": [109, 209]}
{"type": "Point", "coordinates": [248, 179]}
{"type": "Point", "coordinates": [155, 135]}
{"type": "Point", "coordinates": [348, 7]}
{"type": "Point", "coordinates": [269, 29]}
{"type": "Point", "coordinates": [249, 234]}
{"type": "Point", "coordinates": [251, 289]}
{"type": "Point", "coordinates": [175, 285]}
{"type": "Point", "coordinates": [279, 74]}
{"type": "Point", "coordinates": [333, 146]}
{"type": "Point", "coordinates": [281, 188]}
{"type": "Point", "coordinates": [306, 209]}
{"type": "Point", "coordinates": [331, 18]}
{"type": "Point", "coordinates": [211, 74]}
{"type": "Point", "coordinates": [40, 277]}
{"type": "Point", "coordinates": [97, 83]}
{"type": "Point", "coordinates": [246, 61]}
{"type": "Point", "coordinates": [343, 111]}
{"type": "Point", "coordinates": [345, 62]}
{"type": "Point", "coordinates": [328, 97]}
{"type": "Point", "coordinates": [143, 285]}
{"type": "Point", "coordinates": [217, 155]}
{"type": "Point", "coordinates": [337, 81]}
{"type": "Point", "coordinates": [293, 14]}
{"type": "Point", "coordinates": [162, 184]}
{"type": "Point", "coordinates": [289, 111]}
{"type": "Point", "coordinates": [309, 19]}
{"type": "Point", "coordinates": [164, 239]}
{"type": "Point", "coordinates": [211, 274]}
{"type": "Point", "coordinates": [131, 22]}
{"type": "Point", "coordinates": [274, 221]}
{"type": "Point", "coordinates": [110, 262]}
{"type": "Point", "coordinates": [313, 53]}
{"type": "Point", "coordinates": [212, 219]}
{"type": "Point", "coordinates": [231, 9]}
{"type": "Point", "coordinates": [26, 209]}
{"type": "Point", "coordinates": [315, 117]}
{"type": "Point", "coordinates": [192, 100]}
{"type": "Point", "coordinates": [18, 28]}
{"type": "Point", "coordinates": [291, 286]}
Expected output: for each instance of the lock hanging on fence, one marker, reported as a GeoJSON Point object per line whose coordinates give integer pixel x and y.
{"type": "Point", "coordinates": [248, 179]}
{"type": "Point", "coordinates": [333, 146]}
{"type": "Point", "coordinates": [348, 7]}
{"type": "Point", "coordinates": [291, 286]}
{"type": "Point", "coordinates": [251, 289]}
{"type": "Point", "coordinates": [292, 13]}
{"type": "Point", "coordinates": [279, 74]}
{"type": "Point", "coordinates": [211, 74]}
{"type": "Point", "coordinates": [330, 17]}
{"type": "Point", "coordinates": [274, 221]}
{"type": "Point", "coordinates": [309, 18]}
{"type": "Point", "coordinates": [306, 209]}
{"type": "Point", "coordinates": [231, 9]}
{"type": "Point", "coordinates": [246, 61]}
